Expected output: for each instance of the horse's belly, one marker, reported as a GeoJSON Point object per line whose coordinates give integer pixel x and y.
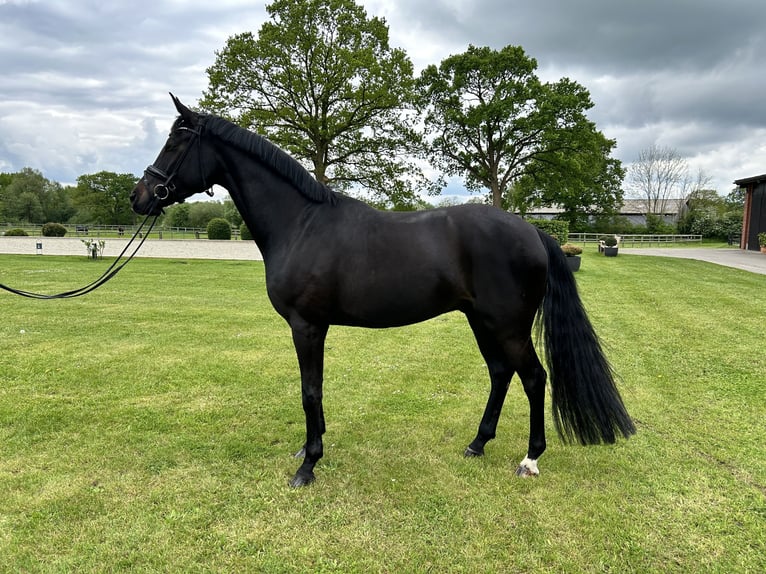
{"type": "Point", "coordinates": [387, 303]}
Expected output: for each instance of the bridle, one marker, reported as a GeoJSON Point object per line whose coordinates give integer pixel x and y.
{"type": "Point", "coordinates": [163, 190]}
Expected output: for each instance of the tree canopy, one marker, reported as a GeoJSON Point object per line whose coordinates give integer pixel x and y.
{"type": "Point", "coordinates": [104, 198]}
{"type": "Point", "coordinates": [492, 121]}
{"type": "Point", "coordinates": [322, 82]}
{"type": "Point", "coordinates": [101, 198]}
{"type": "Point", "coordinates": [27, 196]}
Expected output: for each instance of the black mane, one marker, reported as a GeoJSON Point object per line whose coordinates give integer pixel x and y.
{"type": "Point", "coordinates": [271, 156]}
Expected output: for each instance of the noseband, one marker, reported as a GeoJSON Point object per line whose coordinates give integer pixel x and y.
{"type": "Point", "coordinates": [162, 191]}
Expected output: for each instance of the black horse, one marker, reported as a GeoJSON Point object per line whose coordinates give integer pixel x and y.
{"type": "Point", "coordinates": [331, 259]}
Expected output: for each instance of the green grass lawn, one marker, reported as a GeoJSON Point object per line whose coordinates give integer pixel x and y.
{"type": "Point", "coordinates": [149, 427]}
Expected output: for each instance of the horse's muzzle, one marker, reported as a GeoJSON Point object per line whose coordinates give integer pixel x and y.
{"type": "Point", "coordinates": [144, 201]}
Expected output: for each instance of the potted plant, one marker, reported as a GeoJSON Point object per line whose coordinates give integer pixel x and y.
{"type": "Point", "coordinates": [609, 245]}
{"type": "Point", "coordinates": [762, 241]}
{"type": "Point", "coordinates": [573, 255]}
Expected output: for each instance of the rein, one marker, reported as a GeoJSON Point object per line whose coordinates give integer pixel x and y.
{"type": "Point", "coordinates": [113, 269]}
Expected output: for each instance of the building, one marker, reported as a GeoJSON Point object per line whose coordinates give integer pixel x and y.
{"type": "Point", "coordinates": [634, 210]}
{"type": "Point", "coordinates": [754, 216]}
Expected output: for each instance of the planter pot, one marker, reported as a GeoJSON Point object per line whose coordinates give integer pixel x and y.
{"type": "Point", "coordinates": [574, 262]}
{"type": "Point", "coordinates": [763, 249]}
{"type": "Point", "coordinates": [610, 251]}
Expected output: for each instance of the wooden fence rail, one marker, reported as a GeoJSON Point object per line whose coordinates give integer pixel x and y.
{"type": "Point", "coordinates": [631, 240]}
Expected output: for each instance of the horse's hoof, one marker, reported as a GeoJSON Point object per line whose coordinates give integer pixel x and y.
{"type": "Point", "coordinates": [300, 479]}
{"type": "Point", "coordinates": [470, 453]}
{"type": "Point", "coordinates": [527, 468]}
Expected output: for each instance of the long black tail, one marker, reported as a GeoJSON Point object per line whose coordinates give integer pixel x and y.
{"type": "Point", "coordinates": [586, 404]}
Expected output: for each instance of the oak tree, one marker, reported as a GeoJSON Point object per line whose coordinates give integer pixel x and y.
{"type": "Point", "coordinates": [28, 196]}
{"type": "Point", "coordinates": [492, 121]}
{"type": "Point", "coordinates": [104, 198]}
{"type": "Point", "coordinates": [321, 81]}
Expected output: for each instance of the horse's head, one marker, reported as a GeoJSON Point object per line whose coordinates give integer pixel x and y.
{"type": "Point", "coordinates": [179, 170]}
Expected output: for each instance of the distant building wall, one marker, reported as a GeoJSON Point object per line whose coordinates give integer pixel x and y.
{"type": "Point", "coordinates": [634, 210]}
{"type": "Point", "coordinates": [754, 216]}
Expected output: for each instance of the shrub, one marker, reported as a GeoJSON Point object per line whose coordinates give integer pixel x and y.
{"type": "Point", "coordinates": [655, 225]}
{"type": "Point", "coordinates": [614, 224]}
{"type": "Point", "coordinates": [709, 224]}
{"type": "Point", "coordinates": [16, 233]}
{"type": "Point", "coordinates": [609, 240]}
{"type": "Point", "coordinates": [218, 228]}
{"type": "Point", "coordinates": [244, 233]}
{"type": "Point", "coordinates": [54, 230]}
{"type": "Point", "coordinates": [554, 227]}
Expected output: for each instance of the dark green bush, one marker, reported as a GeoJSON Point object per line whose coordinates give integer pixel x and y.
{"type": "Point", "coordinates": [614, 224]}
{"type": "Point", "coordinates": [244, 233]}
{"type": "Point", "coordinates": [54, 230]}
{"type": "Point", "coordinates": [16, 233]}
{"type": "Point", "coordinates": [712, 225]}
{"type": "Point", "coordinates": [555, 227]}
{"type": "Point", "coordinates": [655, 225]}
{"type": "Point", "coordinates": [218, 228]}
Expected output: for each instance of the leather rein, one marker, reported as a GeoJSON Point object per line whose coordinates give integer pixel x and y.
{"type": "Point", "coordinates": [113, 269]}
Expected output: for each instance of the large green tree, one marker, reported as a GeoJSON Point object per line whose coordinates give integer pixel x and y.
{"type": "Point", "coordinates": [177, 215]}
{"type": "Point", "coordinates": [104, 198]}
{"type": "Point", "coordinates": [492, 121]}
{"type": "Point", "coordinates": [28, 196]}
{"type": "Point", "coordinates": [708, 214]}
{"type": "Point", "coordinates": [202, 212]}
{"type": "Point", "coordinates": [321, 81]}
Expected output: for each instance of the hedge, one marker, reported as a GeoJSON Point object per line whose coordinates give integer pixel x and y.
{"type": "Point", "coordinates": [555, 227]}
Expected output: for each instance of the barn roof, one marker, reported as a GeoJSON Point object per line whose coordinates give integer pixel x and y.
{"type": "Point", "coordinates": [748, 180]}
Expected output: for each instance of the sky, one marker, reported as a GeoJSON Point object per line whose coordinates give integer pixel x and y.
{"type": "Point", "coordinates": [84, 84]}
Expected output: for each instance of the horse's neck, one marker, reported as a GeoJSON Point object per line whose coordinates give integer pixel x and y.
{"type": "Point", "coordinates": [270, 207]}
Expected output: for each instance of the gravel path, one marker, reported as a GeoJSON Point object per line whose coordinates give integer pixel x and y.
{"type": "Point", "coordinates": [752, 261]}
{"type": "Point", "coordinates": [167, 248]}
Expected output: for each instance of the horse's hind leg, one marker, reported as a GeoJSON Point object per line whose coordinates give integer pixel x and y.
{"type": "Point", "coordinates": [504, 358]}
{"type": "Point", "coordinates": [533, 380]}
{"type": "Point", "coordinates": [500, 374]}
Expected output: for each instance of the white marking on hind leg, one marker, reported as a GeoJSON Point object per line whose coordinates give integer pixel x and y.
{"type": "Point", "coordinates": [527, 467]}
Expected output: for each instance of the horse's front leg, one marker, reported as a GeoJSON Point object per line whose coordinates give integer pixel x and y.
{"type": "Point", "coordinates": [309, 345]}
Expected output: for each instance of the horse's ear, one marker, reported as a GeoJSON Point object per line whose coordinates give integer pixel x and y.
{"type": "Point", "coordinates": [185, 112]}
